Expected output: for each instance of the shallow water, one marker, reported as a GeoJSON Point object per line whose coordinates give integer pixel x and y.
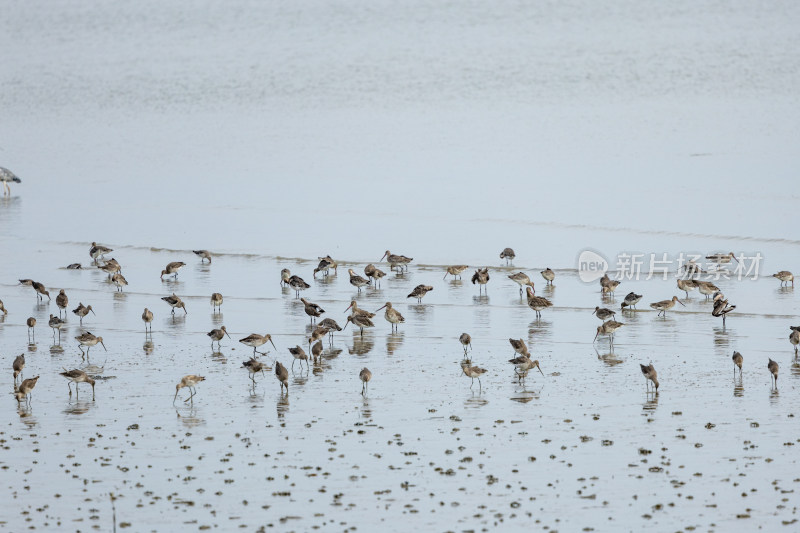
{"type": "Point", "coordinates": [272, 134]}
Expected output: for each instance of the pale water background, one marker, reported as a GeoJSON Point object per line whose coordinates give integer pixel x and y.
{"type": "Point", "coordinates": [273, 133]}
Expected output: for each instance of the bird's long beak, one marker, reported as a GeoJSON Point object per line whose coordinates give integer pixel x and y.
{"type": "Point", "coordinates": [272, 343]}
{"type": "Point", "coordinates": [595, 336]}
{"type": "Point", "coordinates": [92, 310]}
{"type": "Point", "coordinates": [445, 275]}
{"type": "Point", "coordinates": [540, 370]}
{"type": "Point", "coordinates": [680, 302]}
{"type": "Point", "coordinates": [345, 325]}
{"type": "Point", "coordinates": [734, 258]}
{"type": "Point", "coordinates": [226, 333]}
{"type": "Point", "coordinates": [379, 308]}
{"type": "Point", "coordinates": [176, 395]}
{"type": "Point", "coordinates": [104, 346]}
{"type": "Point", "coordinates": [185, 312]}
{"type": "Point", "coordinates": [381, 259]}
{"type": "Point", "coordinates": [348, 308]}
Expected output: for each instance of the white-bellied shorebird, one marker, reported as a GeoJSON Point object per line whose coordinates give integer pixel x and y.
{"type": "Point", "coordinates": [649, 374]}
{"type": "Point", "coordinates": [82, 310]}
{"type": "Point", "coordinates": [254, 340]}
{"type": "Point", "coordinates": [521, 279]}
{"type": "Point", "coordinates": [772, 366]}
{"type": "Point", "coordinates": [664, 305]}
{"type": "Point", "coordinates": [392, 315]}
{"type": "Point", "coordinates": [365, 375]}
{"type": "Point", "coordinates": [40, 290]}
{"type": "Point", "coordinates": [357, 311]}
{"type": "Point", "coordinates": [331, 325]}
{"type": "Point", "coordinates": [172, 269]}
{"type": "Point", "coordinates": [97, 251]}
{"type": "Point", "coordinates": [119, 280]}
{"type": "Point", "coordinates": [254, 366]}
{"type": "Point", "coordinates": [455, 271]}
{"type": "Point", "coordinates": [603, 313]}
{"type": "Point", "coordinates": [374, 273]}
{"type": "Point", "coordinates": [419, 292]}
{"type": "Point", "coordinates": [332, 263]}
{"type": "Point", "coordinates": [481, 277]}
{"type": "Point", "coordinates": [56, 324]}
{"type": "Point", "coordinates": [522, 364]}
{"type": "Point", "coordinates": [465, 341]}
{"type": "Point", "coordinates": [77, 376]}
{"type": "Point", "coordinates": [175, 303]}
{"type": "Point", "coordinates": [216, 302]}
{"type": "Point", "coordinates": [323, 266]}
{"type": "Point", "coordinates": [706, 288]}
{"type": "Point", "coordinates": [548, 275]}
{"type": "Point", "coordinates": [283, 376]}
{"type": "Point", "coordinates": [62, 301]}
{"type": "Point", "coordinates": [794, 337]}
{"type": "Point", "coordinates": [299, 354]}
{"type": "Point", "coordinates": [286, 274]}
{"type": "Point", "coordinates": [111, 267]}
{"type": "Point", "coordinates": [311, 309]}
{"type": "Point", "coordinates": [508, 254]}
{"type": "Point", "coordinates": [356, 280]}
{"type": "Point", "coordinates": [31, 322]}
{"type": "Point", "coordinates": [737, 361]}
{"type": "Point", "coordinates": [785, 277]}
{"type": "Point", "coordinates": [359, 321]}
{"type": "Point", "coordinates": [316, 351]}
{"type": "Point", "coordinates": [23, 392]}
{"type": "Point", "coordinates": [396, 260]}
{"type": "Point", "coordinates": [216, 335]}
{"type": "Point", "coordinates": [607, 329]}
{"type": "Point", "coordinates": [519, 346]}
{"type": "Point", "coordinates": [686, 285]}
{"type": "Point", "coordinates": [537, 303]}
{"type": "Point", "coordinates": [473, 373]}
{"type": "Point", "coordinates": [189, 382]}
{"type": "Point", "coordinates": [721, 306]}
{"type": "Point", "coordinates": [631, 299]}
{"type": "Point", "coordinates": [297, 284]}
{"type": "Point", "coordinates": [722, 259]}
{"type": "Point", "coordinates": [6, 176]}
{"type": "Point", "coordinates": [147, 318]}
{"type": "Point", "coordinates": [89, 340]}
{"type": "Point", "coordinates": [203, 255]}
{"type": "Point", "coordinates": [18, 365]}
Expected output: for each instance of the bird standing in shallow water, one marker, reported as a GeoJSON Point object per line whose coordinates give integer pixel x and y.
{"type": "Point", "coordinates": [473, 372]}
{"type": "Point", "coordinates": [772, 366]}
{"type": "Point", "coordinates": [62, 302]}
{"type": "Point", "coordinates": [374, 273]}
{"type": "Point", "coordinates": [188, 381]}
{"type": "Point", "coordinates": [465, 341]}
{"type": "Point", "coordinates": [254, 366]}
{"type": "Point", "coordinates": [686, 285]}
{"type": "Point", "coordinates": [56, 324]}
{"type": "Point", "coordinates": [311, 309]}
{"type": "Point", "coordinates": [97, 252]}
{"type": "Point", "coordinates": [89, 340]}
{"type": "Point", "coordinates": [147, 317]}
{"type": "Point", "coordinates": [365, 375]}
{"type": "Point", "coordinates": [392, 315]}
{"type": "Point", "coordinates": [548, 275]}
{"type": "Point", "coordinates": [481, 277]}
{"type": "Point", "coordinates": [608, 328]}
{"type": "Point", "coordinates": [737, 361]}
{"type": "Point", "coordinates": [356, 280]}
{"type": "Point", "coordinates": [40, 290]}
{"type": "Point", "coordinates": [537, 303]}
{"type": "Point", "coordinates": [25, 389]}
{"type": "Point", "coordinates": [77, 376]}
{"type": "Point", "coordinates": [31, 322]}
{"type": "Point", "coordinates": [323, 266]}
{"type": "Point", "coordinates": [650, 374]}
{"type": "Point", "coordinates": [419, 292]}
{"type": "Point", "coordinates": [3, 308]}
{"type": "Point", "coordinates": [794, 337]}
{"type": "Point", "coordinates": [721, 307]}
{"type": "Point", "coordinates": [216, 335]}
{"type": "Point", "coordinates": [6, 176]}
{"type": "Point", "coordinates": [785, 277]}
{"type": "Point", "coordinates": [523, 364]}
{"type": "Point", "coordinates": [509, 255]}
{"type": "Point", "coordinates": [283, 376]}
{"type": "Point", "coordinates": [299, 354]}
{"type": "Point", "coordinates": [175, 302]}
{"type": "Point", "coordinates": [603, 313]}
{"type": "Point", "coordinates": [631, 299]}
{"type": "Point", "coordinates": [255, 340]}
{"type": "Point", "coordinates": [397, 260]}
{"type": "Point", "coordinates": [521, 279]}
{"type": "Point", "coordinates": [706, 288]}
{"type": "Point", "coordinates": [608, 285]}
{"type": "Point", "coordinates": [18, 365]}
{"type": "Point", "coordinates": [359, 321]}
{"type": "Point", "coordinates": [297, 284]}
{"type": "Point", "coordinates": [82, 310]}
{"type": "Point", "coordinates": [664, 305]}
{"type": "Point", "coordinates": [357, 311]}
{"type": "Point", "coordinates": [203, 255]}
{"type": "Point", "coordinates": [286, 274]}
{"type": "Point", "coordinates": [455, 271]}
{"type": "Point", "coordinates": [216, 302]}
{"type": "Point", "coordinates": [172, 269]}
{"type": "Point", "coordinates": [119, 280]}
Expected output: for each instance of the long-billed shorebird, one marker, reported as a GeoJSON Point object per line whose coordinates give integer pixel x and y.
{"type": "Point", "coordinates": [216, 335]}
{"type": "Point", "coordinates": [297, 284]}
{"type": "Point", "coordinates": [519, 346]}
{"type": "Point", "coordinates": [254, 366]}
{"type": "Point", "coordinates": [522, 364]}
{"type": "Point", "coordinates": [481, 277]}
{"type": "Point", "coordinates": [706, 288]}
{"type": "Point", "coordinates": [603, 313]}
{"type": "Point", "coordinates": [397, 260]}
{"type": "Point", "coordinates": [89, 340]}
{"type": "Point", "coordinates": [316, 352]}
{"type": "Point", "coordinates": [97, 251]}
{"type": "Point", "coordinates": [419, 292]}
{"type": "Point", "coordinates": [691, 269]}
{"type": "Point", "coordinates": [56, 324]}
{"type": "Point", "coordinates": [374, 273]}
{"type": "Point", "coordinates": [18, 365]}
{"type": "Point", "coordinates": [392, 315]}
{"type": "Point", "coordinates": [521, 279]}
{"type": "Point", "coordinates": [357, 311]}
{"type": "Point", "coordinates": [365, 375]}
{"type": "Point", "coordinates": [608, 285]}
{"type": "Point", "coordinates": [147, 318]}
{"type": "Point", "coordinates": [119, 280]}
{"type": "Point", "coordinates": [722, 259]}
{"type": "Point", "coordinates": [175, 303]}
{"type": "Point", "coordinates": [466, 341]}
{"type": "Point", "coordinates": [455, 271]}
{"type": "Point", "coordinates": [216, 302]}
{"type": "Point", "coordinates": [82, 310]}
{"type": "Point", "coordinates": [649, 374]}
{"type": "Point", "coordinates": [721, 306]}
{"type": "Point", "coordinates": [62, 301]}
{"type": "Point", "coordinates": [23, 392]}
{"type": "Point", "coordinates": [537, 303]}
{"type": "Point", "coordinates": [203, 255]}
{"type": "Point", "coordinates": [548, 275]}
{"type": "Point", "coordinates": [31, 322]}
{"type": "Point", "coordinates": [323, 266]}
{"type": "Point", "coordinates": [40, 290]}
{"type": "Point", "coordinates": [311, 309]}
{"type": "Point", "coordinates": [283, 376]}
{"type": "Point", "coordinates": [473, 372]}
{"type": "Point", "coordinates": [664, 305]}
{"type": "Point", "coordinates": [356, 280]}
{"type": "Point", "coordinates": [772, 366]}
{"type": "Point", "coordinates": [360, 321]}
{"type": "Point", "coordinates": [508, 254]}
{"type": "Point", "coordinates": [607, 329]}
{"type": "Point", "coordinates": [77, 376]}
{"type": "Point", "coordinates": [189, 382]}
{"type": "Point", "coordinates": [331, 325]}
{"type": "Point", "coordinates": [172, 269]}
{"type": "Point", "coordinates": [631, 299]}
{"type": "Point", "coordinates": [26, 282]}
{"type": "Point", "coordinates": [686, 285]}
{"type": "Point", "coordinates": [6, 176]}
{"type": "Point", "coordinates": [299, 354]}
{"type": "Point", "coordinates": [285, 275]}
{"type": "Point", "coordinates": [111, 267]}
{"type": "Point", "coordinates": [794, 337]}
{"type": "Point", "coordinates": [737, 361]}
{"type": "Point", "coordinates": [785, 277]}
{"type": "Point", "coordinates": [254, 340]}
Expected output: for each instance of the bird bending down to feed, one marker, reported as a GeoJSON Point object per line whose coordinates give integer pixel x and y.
{"type": "Point", "coordinates": [18, 365]}
{"type": "Point", "coordinates": [608, 285]}
{"type": "Point", "coordinates": [631, 299]}
{"type": "Point", "coordinates": [365, 375]}
{"type": "Point", "coordinates": [172, 269]}
{"type": "Point", "coordinates": [737, 361]}
{"type": "Point", "coordinates": [6, 176]}
{"type": "Point", "coordinates": [608, 328]}
{"type": "Point", "coordinates": [603, 313]}
{"type": "Point", "coordinates": [119, 280]}
{"type": "Point", "coordinates": [650, 374]}
{"type": "Point", "coordinates": [374, 273]}
{"type": "Point", "coordinates": [785, 277]}
{"type": "Point", "coordinates": [89, 340]}
{"type": "Point", "coordinates": [77, 376]}
{"type": "Point", "coordinates": [772, 366]}
{"type": "Point", "coordinates": [190, 382]}
{"type": "Point", "coordinates": [419, 292]}
{"type": "Point", "coordinates": [216, 335]}
{"type": "Point", "coordinates": [254, 366]}
{"type": "Point", "coordinates": [25, 388]}
{"type": "Point", "coordinates": [466, 341]}
{"type": "Point", "coordinates": [359, 321]}
{"type": "Point", "coordinates": [82, 310]}
{"type": "Point", "coordinates": [203, 255]}
{"type": "Point", "coordinates": [455, 271]}
{"type": "Point", "coordinates": [522, 364]}
{"type": "Point", "coordinates": [521, 279]}
{"type": "Point", "coordinates": [507, 254]}
{"type": "Point", "coordinates": [356, 280]}
{"type": "Point", "coordinates": [175, 303]}
{"type": "Point", "coordinates": [298, 353]}
{"type": "Point", "coordinates": [283, 376]}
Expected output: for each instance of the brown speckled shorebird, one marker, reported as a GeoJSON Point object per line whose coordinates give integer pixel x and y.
{"type": "Point", "coordinates": [722, 259]}
{"type": "Point", "coordinates": [299, 354]}
{"type": "Point", "coordinates": [17, 366]}
{"type": "Point", "coordinates": [357, 311]}
{"type": "Point", "coordinates": [481, 277]}
{"type": "Point", "coordinates": [649, 374]}
{"type": "Point", "coordinates": [297, 284]}
{"type": "Point", "coordinates": [97, 251]}
{"type": "Point", "coordinates": [216, 335]}
{"type": "Point", "coordinates": [686, 285]}
{"type": "Point", "coordinates": [608, 285]}
{"type": "Point", "coordinates": [286, 274]}
{"type": "Point", "coordinates": [521, 279]}
{"type": "Point", "coordinates": [25, 389]}
{"type": "Point", "coordinates": [455, 271]}
{"type": "Point", "coordinates": [537, 303]}
{"type": "Point", "coordinates": [316, 351]}
{"type": "Point", "coordinates": [311, 309]}
{"type": "Point", "coordinates": [332, 263]}
{"type": "Point", "coordinates": [203, 255]}
{"type": "Point", "coordinates": [374, 273]}
{"type": "Point", "coordinates": [608, 328]}
{"type": "Point", "coordinates": [419, 292]}
{"type": "Point", "coordinates": [603, 313]}
{"type": "Point", "coordinates": [82, 310]}
{"type": "Point", "coordinates": [41, 291]}
{"type": "Point", "coordinates": [172, 269]}
{"type": "Point", "coordinates": [522, 364]}
{"type": "Point", "coordinates": [175, 303]}
{"type": "Point", "coordinates": [785, 277]}
{"type": "Point", "coordinates": [6, 177]}
{"type": "Point", "coordinates": [664, 305]}
{"type": "Point", "coordinates": [721, 307]}
{"type": "Point", "coordinates": [56, 324]}
{"type": "Point", "coordinates": [323, 266]}
{"type": "Point", "coordinates": [397, 260]}
{"type": "Point", "coordinates": [77, 376]}
{"type": "Point", "coordinates": [794, 337]}
{"type": "Point", "coordinates": [507, 254]}
{"type": "Point", "coordinates": [147, 318]}
{"type": "Point", "coordinates": [706, 288]}
{"type": "Point", "coordinates": [26, 282]}
{"type": "Point", "coordinates": [189, 382]}
{"type": "Point", "coordinates": [89, 340]}
{"type": "Point", "coordinates": [111, 267]}
{"type": "Point", "coordinates": [356, 280]}
{"type": "Point", "coordinates": [519, 346]}
{"type": "Point", "coordinates": [360, 322]}
{"type": "Point", "coordinates": [283, 376]}
{"type": "Point", "coordinates": [62, 301]}
{"type": "Point", "coordinates": [631, 299]}
{"type": "Point", "coordinates": [331, 325]}
{"type": "Point", "coordinates": [254, 340]}
{"type": "Point", "coordinates": [365, 375]}
{"type": "Point", "coordinates": [772, 366]}
{"type": "Point", "coordinates": [392, 315]}
{"type": "Point", "coordinates": [31, 322]}
{"type": "Point", "coordinates": [119, 280]}
{"type": "Point", "coordinates": [216, 302]}
{"type": "Point", "coordinates": [473, 372]}
{"type": "Point", "coordinates": [465, 341]}
{"type": "Point", "coordinates": [548, 275]}
{"type": "Point", "coordinates": [737, 361]}
{"type": "Point", "coordinates": [254, 366]}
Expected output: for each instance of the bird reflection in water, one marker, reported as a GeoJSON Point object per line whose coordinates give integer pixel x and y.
{"type": "Point", "coordinates": [366, 409]}
{"type": "Point", "coordinates": [216, 318]}
{"type": "Point", "coordinates": [394, 341]}
{"type": "Point", "coordinates": [282, 406]}
{"type": "Point", "coordinates": [652, 403]}
{"type": "Point", "coordinates": [738, 387]}
{"type": "Point", "coordinates": [148, 347]}
{"type": "Point", "coordinates": [475, 400]}
{"type": "Point", "coordinates": [188, 416]}
{"type": "Point", "coordinates": [78, 407]}
{"type": "Point", "coordinates": [609, 357]}
{"type": "Point", "coordinates": [26, 416]}
{"type": "Point", "coordinates": [525, 395]}
{"type": "Point", "coordinates": [362, 345]}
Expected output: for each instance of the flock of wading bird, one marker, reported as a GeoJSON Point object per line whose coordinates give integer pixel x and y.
{"type": "Point", "coordinates": [361, 318]}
